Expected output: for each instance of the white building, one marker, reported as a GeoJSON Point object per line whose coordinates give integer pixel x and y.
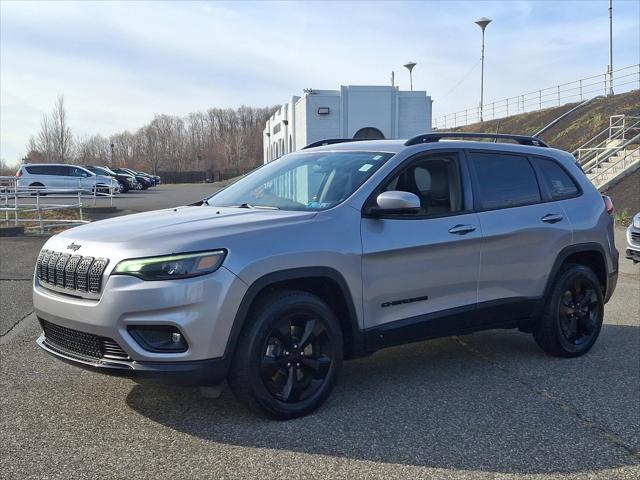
{"type": "Point", "coordinates": [371, 112]}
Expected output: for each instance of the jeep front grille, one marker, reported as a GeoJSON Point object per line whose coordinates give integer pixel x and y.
{"type": "Point", "coordinates": [635, 236]}
{"type": "Point", "coordinates": [81, 345]}
{"type": "Point", "coordinates": [72, 272]}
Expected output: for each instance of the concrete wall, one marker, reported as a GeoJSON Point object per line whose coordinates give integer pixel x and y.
{"type": "Point", "coordinates": [320, 127]}
{"type": "Point", "coordinates": [626, 193]}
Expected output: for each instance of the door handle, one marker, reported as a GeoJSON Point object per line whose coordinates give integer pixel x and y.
{"type": "Point", "coordinates": [462, 229]}
{"type": "Point", "coordinates": [552, 218]}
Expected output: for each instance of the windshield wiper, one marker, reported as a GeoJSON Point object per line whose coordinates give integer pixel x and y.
{"type": "Point", "coordinates": [263, 207]}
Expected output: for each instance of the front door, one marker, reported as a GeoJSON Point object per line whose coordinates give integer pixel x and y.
{"type": "Point", "coordinates": [420, 266]}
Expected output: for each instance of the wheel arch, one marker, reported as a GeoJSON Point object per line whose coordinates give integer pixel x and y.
{"type": "Point", "coordinates": [591, 255]}
{"type": "Point", "coordinates": [325, 282]}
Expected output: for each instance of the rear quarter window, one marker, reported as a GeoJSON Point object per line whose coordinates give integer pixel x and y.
{"type": "Point", "coordinates": [504, 180]}
{"type": "Point", "coordinates": [38, 170]}
{"type": "Point", "coordinates": [558, 181]}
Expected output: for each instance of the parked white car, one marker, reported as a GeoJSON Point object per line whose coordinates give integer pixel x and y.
{"type": "Point", "coordinates": [62, 176]}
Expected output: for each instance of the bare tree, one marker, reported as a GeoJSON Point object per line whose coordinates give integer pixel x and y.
{"type": "Point", "coordinates": [215, 140]}
{"type": "Point", "coordinates": [63, 139]}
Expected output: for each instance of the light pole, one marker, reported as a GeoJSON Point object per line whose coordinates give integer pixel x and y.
{"type": "Point", "coordinates": [610, 72]}
{"type": "Point", "coordinates": [482, 23]}
{"type": "Point", "coordinates": [112, 146]}
{"type": "Point", "coordinates": [409, 66]}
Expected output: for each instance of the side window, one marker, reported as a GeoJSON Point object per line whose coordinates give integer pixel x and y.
{"type": "Point", "coordinates": [77, 172]}
{"type": "Point", "coordinates": [41, 170]}
{"type": "Point", "coordinates": [504, 180]}
{"type": "Point", "coordinates": [558, 181]}
{"type": "Point", "coordinates": [435, 179]}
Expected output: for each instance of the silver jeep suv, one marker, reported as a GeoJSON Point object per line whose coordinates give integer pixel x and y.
{"type": "Point", "coordinates": [331, 253]}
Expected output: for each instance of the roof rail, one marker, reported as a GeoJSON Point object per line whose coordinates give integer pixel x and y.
{"type": "Point", "coordinates": [436, 137]}
{"type": "Point", "coordinates": [330, 141]}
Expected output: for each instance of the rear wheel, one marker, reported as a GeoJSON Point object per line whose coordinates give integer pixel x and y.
{"type": "Point", "coordinates": [289, 355]}
{"type": "Point", "coordinates": [39, 186]}
{"type": "Point", "coordinates": [573, 316]}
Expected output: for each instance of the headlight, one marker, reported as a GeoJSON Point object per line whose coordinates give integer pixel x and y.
{"type": "Point", "coordinates": [636, 220]}
{"type": "Point", "coordinates": [172, 266]}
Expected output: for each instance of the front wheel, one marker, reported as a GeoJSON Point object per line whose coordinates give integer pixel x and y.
{"type": "Point", "coordinates": [573, 316]}
{"type": "Point", "coordinates": [289, 355]}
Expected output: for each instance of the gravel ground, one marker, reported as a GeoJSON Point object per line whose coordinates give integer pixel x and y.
{"type": "Point", "coordinates": [488, 405]}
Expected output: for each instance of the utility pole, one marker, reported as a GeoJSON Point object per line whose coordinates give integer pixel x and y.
{"type": "Point", "coordinates": [610, 71]}
{"type": "Point", "coordinates": [482, 23]}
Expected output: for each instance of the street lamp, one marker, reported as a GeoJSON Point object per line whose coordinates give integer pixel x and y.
{"type": "Point", "coordinates": [112, 153]}
{"type": "Point", "coordinates": [482, 23]}
{"type": "Point", "coordinates": [610, 72]}
{"type": "Point", "coordinates": [409, 66]}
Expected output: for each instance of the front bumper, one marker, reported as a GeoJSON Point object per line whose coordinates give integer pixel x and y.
{"type": "Point", "coordinates": [198, 372]}
{"type": "Point", "coordinates": [203, 309]}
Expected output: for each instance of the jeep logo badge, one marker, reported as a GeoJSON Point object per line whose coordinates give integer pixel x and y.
{"type": "Point", "coordinates": [73, 246]}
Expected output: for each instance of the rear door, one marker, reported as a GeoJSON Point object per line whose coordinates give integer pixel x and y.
{"type": "Point", "coordinates": [523, 228]}
{"type": "Point", "coordinates": [417, 266]}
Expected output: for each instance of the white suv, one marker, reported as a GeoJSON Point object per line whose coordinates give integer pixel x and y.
{"type": "Point", "coordinates": [61, 176]}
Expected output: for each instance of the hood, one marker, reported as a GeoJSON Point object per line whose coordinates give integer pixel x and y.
{"type": "Point", "coordinates": [173, 230]}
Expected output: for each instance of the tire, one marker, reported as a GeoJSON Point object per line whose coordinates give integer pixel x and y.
{"type": "Point", "coordinates": [123, 187]}
{"type": "Point", "coordinates": [573, 315]}
{"type": "Point", "coordinates": [37, 185]}
{"type": "Point", "coordinates": [289, 355]}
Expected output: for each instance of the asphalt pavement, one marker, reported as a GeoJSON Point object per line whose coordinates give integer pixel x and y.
{"type": "Point", "coordinates": [486, 405]}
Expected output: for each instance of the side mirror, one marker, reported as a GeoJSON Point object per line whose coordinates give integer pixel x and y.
{"type": "Point", "coordinates": [397, 202]}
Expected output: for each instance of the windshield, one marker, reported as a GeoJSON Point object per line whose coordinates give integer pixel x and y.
{"type": "Point", "coordinates": [101, 171]}
{"type": "Point", "coordinates": [302, 181]}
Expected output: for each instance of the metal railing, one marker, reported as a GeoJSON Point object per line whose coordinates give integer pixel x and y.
{"type": "Point", "coordinates": [630, 157]}
{"type": "Point", "coordinates": [624, 79]}
{"type": "Point", "coordinates": [19, 203]}
{"type": "Point", "coordinates": [603, 144]}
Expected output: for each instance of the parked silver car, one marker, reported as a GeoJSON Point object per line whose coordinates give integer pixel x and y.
{"type": "Point", "coordinates": [330, 253]}
{"type": "Point", "coordinates": [633, 239]}
{"type": "Point", "coordinates": [61, 176]}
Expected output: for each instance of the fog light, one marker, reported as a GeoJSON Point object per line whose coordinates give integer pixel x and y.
{"type": "Point", "coordinates": [159, 338]}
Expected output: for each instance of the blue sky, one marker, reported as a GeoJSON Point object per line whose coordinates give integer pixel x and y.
{"type": "Point", "coordinates": [119, 63]}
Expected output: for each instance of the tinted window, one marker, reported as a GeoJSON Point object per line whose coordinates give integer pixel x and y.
{"type": "Point", "coordinates": [46, 170]}
{"type": "Point", "coordinates": [36, 170]}
{"type": "Point", "coordinates": [505, 180]}
{"type": "Point", "coordinates": [435, 180]}
{"type": "Point", "coordinates": [558, 181]}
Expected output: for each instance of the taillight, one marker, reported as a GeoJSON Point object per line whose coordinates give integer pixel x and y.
{"type": "Point", "coordinates": [19, 173]}
{"type": "Point", "coordinates": [608, 204]}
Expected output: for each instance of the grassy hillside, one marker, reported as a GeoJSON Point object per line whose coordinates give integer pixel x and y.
{"type": "Point", "coordinates": [572, 131]}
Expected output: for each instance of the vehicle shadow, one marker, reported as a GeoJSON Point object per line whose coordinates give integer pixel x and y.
{"type": "Point", "coordinates": [490, 402]}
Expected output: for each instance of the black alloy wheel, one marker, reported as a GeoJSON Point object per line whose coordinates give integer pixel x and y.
{"type": "Point", "coordinates": [296, 358]}
{"type": "Point", "coordinates": [573, 314]}
{"type": "Point", "coordinates": [288, 355]}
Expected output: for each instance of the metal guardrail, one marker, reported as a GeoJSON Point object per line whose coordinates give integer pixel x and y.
{"type": "Point", "coordinates": [629, 158]}
{"type": "Point", "coordinates": [624, 79]}
{"type": "Point", "coordinates": [603, 144]}
{"type": "Point", "coordinates": [16, 200]}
